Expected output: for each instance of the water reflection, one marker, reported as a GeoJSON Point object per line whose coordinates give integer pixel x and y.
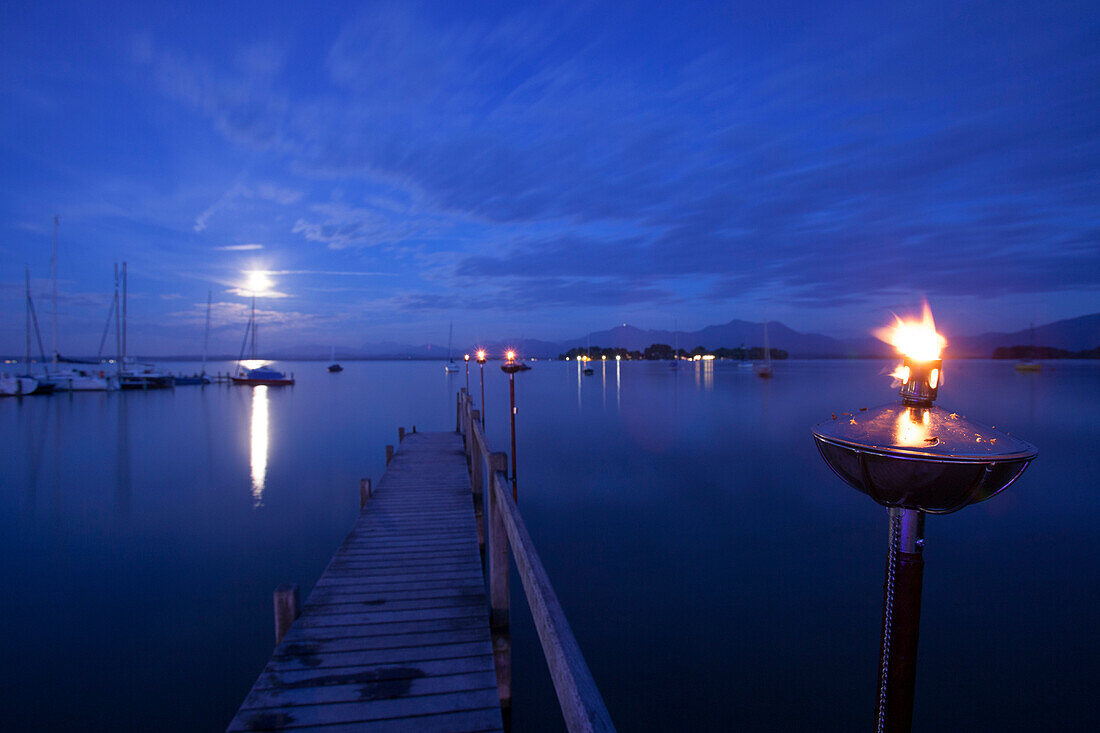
{"type": "Point", "coordinates": [124, 483]}
{"type": "Point", "coordinates": [259, 427]}
{"type": "Point", "coordinates": [704, 375]}
{"type": "Point", "coordinates": [618, 384]}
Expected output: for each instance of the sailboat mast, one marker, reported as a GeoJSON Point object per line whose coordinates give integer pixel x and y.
{"type": "Point", "coordinates": [53, 274]}
{"type": "Point", "coordinates": [124, 323]}
{"type": "Point", "coordinates": [28, 276]}
{"type": "Point", "coordinates": [118, 328]}
{"type": "Point", "coordinates": [767, 346]}
{"type": "Point", "coordinates": [206, 333]}
{"type": "Point", "coordinates": [252, 323]}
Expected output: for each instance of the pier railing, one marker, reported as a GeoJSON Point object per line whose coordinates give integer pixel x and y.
{"type": "Point", "coordinates": [502, 532]}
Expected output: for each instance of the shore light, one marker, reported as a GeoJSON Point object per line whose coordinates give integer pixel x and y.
{"type": "Point", "coordinates": [915, 459]}
{"type": "Point", "coordinates": [510, 367]}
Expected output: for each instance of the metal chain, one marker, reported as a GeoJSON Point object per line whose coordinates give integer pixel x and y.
{"type": "Point", "coordinates": [888, 617]}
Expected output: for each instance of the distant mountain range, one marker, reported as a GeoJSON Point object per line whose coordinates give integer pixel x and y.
{"type": "Point", "coordinates": [1074, 334]}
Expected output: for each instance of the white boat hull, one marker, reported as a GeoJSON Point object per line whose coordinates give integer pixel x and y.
{"type": "Point", "coordinates": [17, 386]}
{"type": "Point", "coordinates": [71, 382]}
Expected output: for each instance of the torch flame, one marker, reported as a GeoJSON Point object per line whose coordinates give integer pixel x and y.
{"type": "Point", "coordinates": [510, 355]}
{"type": "Point", "coordinates": [916, 339]}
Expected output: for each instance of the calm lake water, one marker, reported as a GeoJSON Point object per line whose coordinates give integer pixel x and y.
{"type": "Point", "coordinates": [714, 571]}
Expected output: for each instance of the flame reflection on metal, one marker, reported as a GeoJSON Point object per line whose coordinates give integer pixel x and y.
{"type": "Point", "coordinates": [259, 428]}
{"type": "Point", "coordinates": [911, 429]}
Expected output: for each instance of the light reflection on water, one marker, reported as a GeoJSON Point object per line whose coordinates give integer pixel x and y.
{"type": "Point", "coordinates": [259, 431]}
{"type": "Point", "coordinates": [703, 552]}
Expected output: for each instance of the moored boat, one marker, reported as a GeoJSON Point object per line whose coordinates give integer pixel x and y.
{"type": "Point", "coordinates": [145, 377]}
{"type": "Point", "coordinates": [335, 365]}
{"type": "Point", "coordinates": [194, 379]}
{"type": "Point", "coordinates": [263, 375]}
{"type": "Point", "coordinates": [17, 386]}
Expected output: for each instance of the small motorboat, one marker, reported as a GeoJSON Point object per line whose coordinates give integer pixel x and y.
{"type": "Point", "coordinates": [263, 375]}
{"type": "Point", "coordinates": [335, 368]}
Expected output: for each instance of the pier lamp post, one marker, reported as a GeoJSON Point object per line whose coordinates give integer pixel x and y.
{"type": "Point", "coordinates": [510, 367]}
{"type": "Point", "coordinates": [481, 363]}
{"type": "Point", "coordinates": [915, 459]}
{"type": "Point", "coordinates": [467, 358]}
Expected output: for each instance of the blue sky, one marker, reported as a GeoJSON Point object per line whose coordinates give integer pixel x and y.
{"type": "Point", "coordinates": [545, 169]}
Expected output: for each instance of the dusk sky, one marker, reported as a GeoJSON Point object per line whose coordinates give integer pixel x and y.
{"type": "Point", "coordinates": [543, 169]}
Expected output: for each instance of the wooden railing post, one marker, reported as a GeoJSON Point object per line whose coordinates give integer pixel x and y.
{"type": "Point", "coordinates": [477, 481]}
{"type": "Point", "coordinates": [389, 454]}
{"type": "Point", "coordinates": [458, 412]}
{"type": "Point", "coordinates": [287, 608]}
{"type": "Point", "coordinates": [364, 491]}
{"type": "Point", "coordinates": [499, 571]}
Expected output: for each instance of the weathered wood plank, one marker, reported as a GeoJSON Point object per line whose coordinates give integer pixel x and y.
{"type": "Point", "coordinates": [350, 675]}
{"type": "Point", "coordinates": [270, 698]}
{"type": "Point", "coordinates": [369, 710]}
{"type": "Point", "coordinates": [463, 722]}
{"type": "Point", "coordinates": [581, 703]}
{"type": "Point", "coordinates": [395, 634]}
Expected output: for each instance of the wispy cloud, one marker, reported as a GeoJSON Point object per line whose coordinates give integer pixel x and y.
{"type": "Point", "coordinates": [239, 247]}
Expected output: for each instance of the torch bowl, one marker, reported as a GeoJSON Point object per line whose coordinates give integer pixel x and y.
{"type": "Point", "coordinates": [922, 458]}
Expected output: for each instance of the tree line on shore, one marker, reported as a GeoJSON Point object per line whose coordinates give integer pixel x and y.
{"type": "Point", "coordinates": [1043, 352]}
{"type": "Point", "coordinates": [664, 352]}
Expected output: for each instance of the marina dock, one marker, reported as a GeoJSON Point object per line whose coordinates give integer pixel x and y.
{"type": "Point", "coordinates": [407, 629]}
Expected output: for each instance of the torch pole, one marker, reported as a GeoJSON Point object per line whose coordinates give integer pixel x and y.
{"type": "Point", "coordinates": [482, 365]}
{"type": "Point", "coordinates": [467, 375]}
{"type": "Point", "coordinates": [512, 401]}
{"type": "Point", "coordinates": [900, 621]}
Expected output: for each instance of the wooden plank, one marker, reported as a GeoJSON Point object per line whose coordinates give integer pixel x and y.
{"type": "Point", "coordinates": [269, 698]}
{"type": "Point", "coordinates": [462, 722]}
{"type": "Point", "coordinates": [582, 705]}
{"type": "Point", "coordinates": [338, 676]}
{"type": "Point", "coordinates": [395, 634]}
{"type": "Point", "coordinates": [297, 715]}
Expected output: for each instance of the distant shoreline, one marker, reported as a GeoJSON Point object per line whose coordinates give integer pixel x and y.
{"type": "Point", "coordinates": [10, 361]}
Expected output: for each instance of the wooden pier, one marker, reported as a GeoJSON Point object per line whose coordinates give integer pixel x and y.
{"type": "Point", "coordinates": [407, 629]}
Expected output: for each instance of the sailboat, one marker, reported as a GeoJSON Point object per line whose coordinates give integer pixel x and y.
{"type": "Point", "coordinates": [450, 367]}
{"type": "Point", "coordinates": [201, 378]}
{"type": "Point", "coordinates": [335, 366]}
{"type": "Point", "coordinates": [262, 374]}
{"type": "Point", "coordinates": [675, 363]}
{"type": "Point", "coordinates": [588, 356]}
{"type": "Point", "coordinates": [138, 376]}
{"type": "Point", "coordinates": [42, 386]}
{"type": "Point", "coordinates": [1029, 364]}
{"type": "Point", "coordinates": [765, 370]}
{"type": "Point", "coordinates": [71, 380]}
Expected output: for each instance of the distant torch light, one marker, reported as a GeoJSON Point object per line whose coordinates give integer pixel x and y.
{"type": "Point", "coordinates": [915, 458]}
